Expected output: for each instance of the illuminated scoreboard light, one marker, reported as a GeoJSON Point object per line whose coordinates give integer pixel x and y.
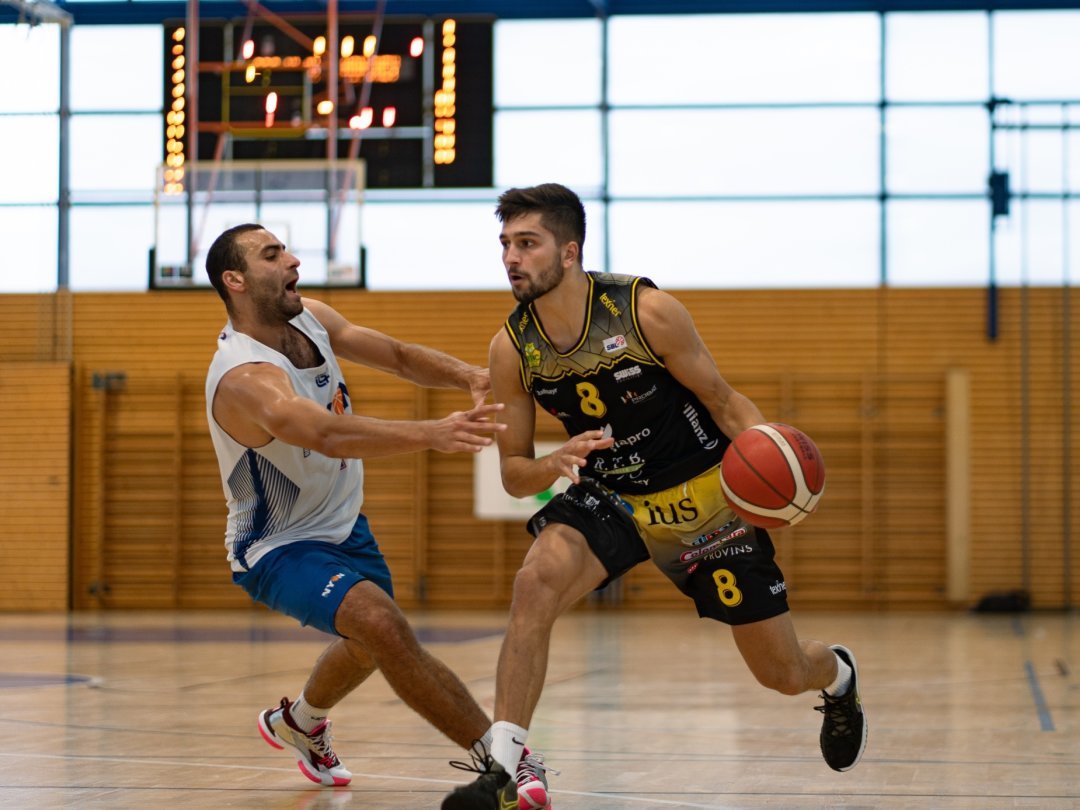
{"type": "Point", "coordinates": [446, 98]}
{"type": "Point", "coordinates": [412, 99]}
{"type": "Point", "coordinates": [174, 116]}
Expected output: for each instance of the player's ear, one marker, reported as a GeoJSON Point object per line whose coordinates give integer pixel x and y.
{"type": "Point", "coordinates": [233, 279]}
{"type": "Point", "coordinates": [570, 253]}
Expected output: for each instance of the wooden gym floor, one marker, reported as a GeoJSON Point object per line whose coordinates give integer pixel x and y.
{"type": "Point", "coordinates": [642, 710]}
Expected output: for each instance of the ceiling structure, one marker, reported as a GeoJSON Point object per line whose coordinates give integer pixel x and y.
{"type": "Point", "coordinates": [153, 11]}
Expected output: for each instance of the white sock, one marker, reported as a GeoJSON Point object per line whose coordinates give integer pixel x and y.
{"type": "Point", "coordinates": [507, 743]}
{"type": "Point", "coordinates": [306, 716]}
{"type": "Point", "coordinates": [843, 678]}
{"type": "Point", "coordinates": [482, 747]}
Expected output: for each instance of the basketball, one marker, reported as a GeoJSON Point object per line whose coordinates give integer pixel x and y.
{"type": "Point", "coordinates": [772, 475]}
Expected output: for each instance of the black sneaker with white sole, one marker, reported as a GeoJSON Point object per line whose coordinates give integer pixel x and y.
{"type": "Point", "coordinates": [843, 729]}
{"type": "Point", "coordinates": [493, 789]}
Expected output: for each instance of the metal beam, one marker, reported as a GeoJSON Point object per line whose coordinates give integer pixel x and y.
{"type": "Point", "coordinates": [36, 12]}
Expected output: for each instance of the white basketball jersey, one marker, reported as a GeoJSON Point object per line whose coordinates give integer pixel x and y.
{"type": "Point", "coordinates": [279, 494]}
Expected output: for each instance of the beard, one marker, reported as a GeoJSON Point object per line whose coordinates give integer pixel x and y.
{"type": "Point", "coordinates": [273, 307]}
{"type": "Point", "coordinates": [546, 281]}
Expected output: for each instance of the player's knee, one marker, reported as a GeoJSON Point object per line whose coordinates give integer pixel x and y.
{"type": "Point", "coordinates": [785, 680]}
{"type": "Point", "coordinates": [378, 625]}
{"type": "Point", "coordinates": [537, 587]}
{"type": "Point", "coordinates": [531, 583]}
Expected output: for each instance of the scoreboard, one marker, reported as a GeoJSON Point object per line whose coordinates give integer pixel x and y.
{"type": "Point", "coordinates": [412, 97]}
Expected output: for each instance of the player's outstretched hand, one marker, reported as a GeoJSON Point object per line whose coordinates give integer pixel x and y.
{"type": "Point", "coordinates": [479, 385]}
{"type": "Point", "coordinates": [464, 431]}
{"type": "Point", "coordinates": [572, 455]}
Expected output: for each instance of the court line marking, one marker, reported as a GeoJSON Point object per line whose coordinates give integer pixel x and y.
{"type": "Point", "coordinates": [447, 782]}
{"type": "Point", "coordinates": [610, 796]}
{"type": "Point", "coordinates": [1046, 721]}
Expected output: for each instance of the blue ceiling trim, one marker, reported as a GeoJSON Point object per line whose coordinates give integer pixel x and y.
{"type": "Point", "coordinates": [147, 11]}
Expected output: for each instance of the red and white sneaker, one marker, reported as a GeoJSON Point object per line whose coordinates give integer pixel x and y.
{"type": "Point", "coordinates": [316, 758]}
{"type": "Point", "coordinates": [532, 784]}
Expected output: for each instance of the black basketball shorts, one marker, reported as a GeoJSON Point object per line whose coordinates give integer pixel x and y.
{"type": "Point", "coordinates": [726, 566]}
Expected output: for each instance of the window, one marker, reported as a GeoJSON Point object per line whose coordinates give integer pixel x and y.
{"type": "Point", "coordinates": [725, 150]}
{"type": "Point", "coordinates": [116, 156]}
{"type": "Point", "coordinates": [562, 146]}
{"type": "Point", "coordinates": [1035, 54]}
{"type": "Point", "coordinates": [744, 152]}
{"type": "Point", "coordinates": [33, 54]}
{"type": "Point", "coordinates": [743, 58]}
{"type": "Point", "coordinates": [936, 57]}
{"type": "Point", "coordinates": [938, 243]}
{"type": "Point", "coordinates": [29, 145]}
{"type": "Point", "coordinates": [937, 150]}
{"type": "Point", "coordinates": [130, 78]}
{"type": "Point", "coordinates": [110, 247]}
{"type": "Point", "coordinates": [550, 62]}
{"type": "Point", "coordinates": [29, 236]}
{"type": "Point", "coordinates": [747, 245]}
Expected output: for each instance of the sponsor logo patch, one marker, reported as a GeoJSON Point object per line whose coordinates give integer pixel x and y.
{"type": "Point", "coordinates": [330, 585]}
{"type": "Point", "coordinates": [532, 355]}
{"type": "Point", "coordinates": [615, 344]}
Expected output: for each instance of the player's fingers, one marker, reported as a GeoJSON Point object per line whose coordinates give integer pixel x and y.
{"type": "Point", "coordinates": [485, 411]}
{"type": "Point", "coordinates": [473, 426]}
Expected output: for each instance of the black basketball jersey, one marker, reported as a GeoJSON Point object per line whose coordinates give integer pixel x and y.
{"type": "Point", "coordinates": [611, 380]}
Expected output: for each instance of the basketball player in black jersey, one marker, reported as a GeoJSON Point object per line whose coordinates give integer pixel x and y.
{"type": "Point", "coordinates": [648, 416]}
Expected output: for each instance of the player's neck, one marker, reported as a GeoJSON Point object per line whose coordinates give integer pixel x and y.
{"type": "Point", "coordinates": [275, 335]}
{"type": "Point", "coordinates": [562, 310]}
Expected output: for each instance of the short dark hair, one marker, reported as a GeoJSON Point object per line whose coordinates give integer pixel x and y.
{"type": "Point", "coordinates": [561, 211]}
{"type": "Point", "coordinates": [224, 255]}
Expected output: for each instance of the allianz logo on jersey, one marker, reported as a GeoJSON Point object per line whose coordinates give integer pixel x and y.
{"type": "Point", "coordinates": [615, 344]}
{"type": "Point", "coordinates": [703, 437]}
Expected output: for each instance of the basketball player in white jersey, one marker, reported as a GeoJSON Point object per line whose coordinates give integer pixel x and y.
{"type": "Point", "coordinates": [290, 449]}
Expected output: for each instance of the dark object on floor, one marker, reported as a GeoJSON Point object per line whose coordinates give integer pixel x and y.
{"type": "Point", "coordinates": [1004, 602]}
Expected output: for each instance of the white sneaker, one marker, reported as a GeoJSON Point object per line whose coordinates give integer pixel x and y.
{"type": "Point", "coordinates": [316, 758]}
{"type": "Point", "coordinates": [532, 784]}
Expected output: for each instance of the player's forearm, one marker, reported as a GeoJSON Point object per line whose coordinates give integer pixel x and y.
{"type": "Point", "coordinates": [366, 437]}
{"type": "Point", "coordinates": [737, 414]}
{"type": "Point", "coordinates": [523, 477]}
{"type": "Point", "coordinates": [431, 368]}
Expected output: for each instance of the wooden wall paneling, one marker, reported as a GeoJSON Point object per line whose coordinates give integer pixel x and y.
{"type": "Point", "coordinates": [141, 553]}
{"type": "Point", "coordinates": [204, 579]}
{"type": "Point", "coordinates": [762, 339]}
{"type": "Point", "coordinates": [958, 485]}
{"type": "Point", "coordinates": [35, 437]}
{"type": "Point", "coordinates": [468, 559]}
{"type": "Point", "coordinates": [868, 508]}
{"type": "Point", "coordinates": [421, 497]}
{"type": "Point", "coordinates": [911, 537]}
{"type": "Point", "coordinates": [836, 548]}
{"type": "Point", "coordinates": [177, 500]}
{"type": "Point", "coordinates": [997, 379]}
{"type": "Point", "coordinates": [391, 482]}
{"type": "Point", "coordinates": [88, 495]}
{"type": "Point", "coordinates": [29, 331]}
{"type": "Point", "coordinates": [1045, 508]}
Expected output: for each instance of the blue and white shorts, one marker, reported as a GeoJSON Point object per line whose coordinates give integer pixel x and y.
{"type": "Point", "coordinates": [308, 579]}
